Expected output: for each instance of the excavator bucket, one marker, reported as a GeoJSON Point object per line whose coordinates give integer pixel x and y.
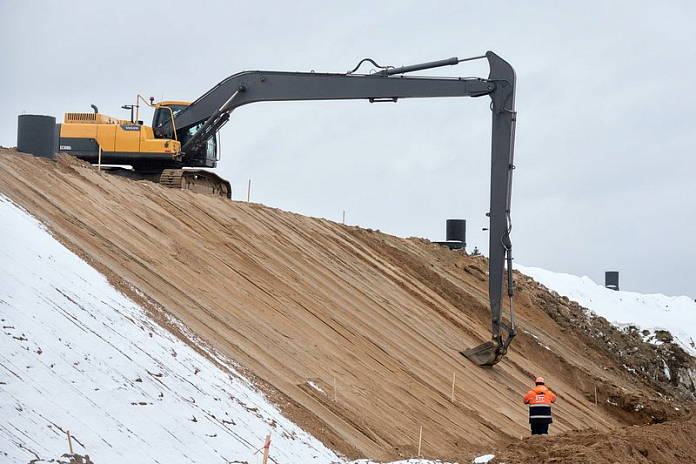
{"type": "Point", "coordinates": [485, 354]}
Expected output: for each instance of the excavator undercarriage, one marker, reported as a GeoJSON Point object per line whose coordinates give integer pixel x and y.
{"type": "Point", "coordinates": [196, 180]}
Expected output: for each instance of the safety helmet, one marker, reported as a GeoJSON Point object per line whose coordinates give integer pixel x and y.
{"type": "Point", "coordinates": [539, 381]}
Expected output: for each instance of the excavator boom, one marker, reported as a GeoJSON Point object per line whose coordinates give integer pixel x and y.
{"type": "Point", "coordinates": [183, 135]}
{"type": "Point", "coordinates": [212, 111]}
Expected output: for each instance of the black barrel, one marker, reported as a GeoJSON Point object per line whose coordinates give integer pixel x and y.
{"type": "Point", "coordinates": [456, 230]}
{"type": "Point", "coordinates": [611, 280]}
{"type": "Point", "coordinates": [37, 135]}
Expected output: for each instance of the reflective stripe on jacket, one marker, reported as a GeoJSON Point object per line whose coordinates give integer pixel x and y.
{"type": "Point", "coordinates": [539, 400]}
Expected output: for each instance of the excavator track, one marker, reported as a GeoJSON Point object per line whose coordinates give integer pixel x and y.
{"type": "Point", "coordinates": [196, 180]}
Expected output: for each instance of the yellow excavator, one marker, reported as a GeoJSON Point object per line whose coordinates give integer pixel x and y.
{"type": "Point", "coordinates": [184, 135]}
{"type": "Point", "coordinates": [109, 141]}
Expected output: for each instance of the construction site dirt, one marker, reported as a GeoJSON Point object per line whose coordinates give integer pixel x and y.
{"type": "Point", "coordinates": [356, 335]}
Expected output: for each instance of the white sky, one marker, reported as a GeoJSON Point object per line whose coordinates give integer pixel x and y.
{"type": "Point", "coordinates": [604, 149]}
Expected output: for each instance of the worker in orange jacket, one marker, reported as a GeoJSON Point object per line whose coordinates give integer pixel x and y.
{"type": "Point", "coordinates": [539, 400]}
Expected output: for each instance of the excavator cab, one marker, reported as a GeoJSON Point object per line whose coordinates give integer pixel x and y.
{"type": "Point", "coordinates": [207, 154]}
{"type": "Point", "coordinates": [165, 110]}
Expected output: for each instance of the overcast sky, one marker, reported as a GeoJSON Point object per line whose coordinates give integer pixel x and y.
{"type": "Point", "coordinates": [605, 140]}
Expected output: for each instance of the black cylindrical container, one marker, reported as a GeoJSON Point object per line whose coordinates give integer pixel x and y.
{"type": "Point", "coordinates": [37, 135]}
{"type": "Point", "coordinates": [456, 230]}
{"type": "Point", "coordinates": [611, 280]}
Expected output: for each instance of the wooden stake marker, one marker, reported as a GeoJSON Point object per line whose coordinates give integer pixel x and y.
{"type": "Point", "coordinates": [69, 441]}
{"type": "Point", "coordinates": [266, 447]}
{"type": "Point", "coordinates": [454, 378]}
{"type": "Point", "coordinates": [420, 439]}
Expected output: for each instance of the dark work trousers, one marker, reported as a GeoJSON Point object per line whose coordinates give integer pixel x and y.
{"type": "Point", "coordinates": [540, 429]}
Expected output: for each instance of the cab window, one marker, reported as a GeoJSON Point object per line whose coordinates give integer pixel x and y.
{"type": "Point", "coordinates": [162, 114]}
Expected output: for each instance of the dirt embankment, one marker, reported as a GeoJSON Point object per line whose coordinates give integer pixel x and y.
{"type": "Point", "coordinates": [353, 333]}
{"type": "Point", "coordinates": [667, 443]}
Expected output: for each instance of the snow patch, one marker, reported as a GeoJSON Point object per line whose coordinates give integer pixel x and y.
{"type": "Point", "coordinates": [315, 386]}
{"type": "Point", "coordinates": [665, 369]}
{"type": "Point", "coordinates": [77, 355]}
{"type": "Point", "coordinates": [656, 312]}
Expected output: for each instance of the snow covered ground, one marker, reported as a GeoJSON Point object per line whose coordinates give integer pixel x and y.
{"type": "Point", "coordinates": [77, 355]}
{"type": "Point", "coordinates": [647, 312]}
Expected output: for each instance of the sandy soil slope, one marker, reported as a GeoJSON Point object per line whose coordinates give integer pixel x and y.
{"type": "Point", "coordinates": [355, 334]}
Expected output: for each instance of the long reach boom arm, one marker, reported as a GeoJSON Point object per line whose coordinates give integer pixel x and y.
{"type": "Point", "coordinates": [212, 110]}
